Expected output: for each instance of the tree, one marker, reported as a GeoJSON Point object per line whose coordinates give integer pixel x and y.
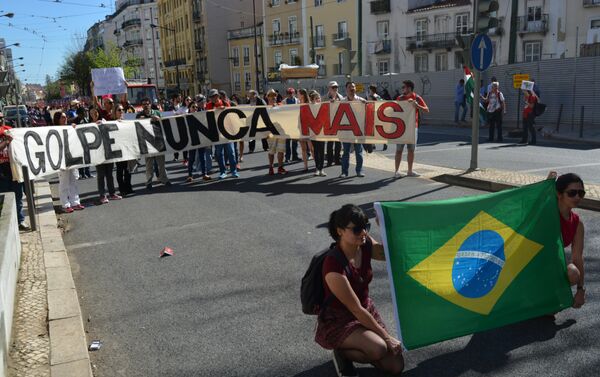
{"type": "Point", "coordinates": [111, 57]}
{"type": "Point", "coordinates": [77, 69]}
{"type": "Point", "coordinates": [52, 89]}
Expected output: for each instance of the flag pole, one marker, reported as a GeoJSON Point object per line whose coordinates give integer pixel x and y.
{"type": "Point", "coordinates": [475, 103]}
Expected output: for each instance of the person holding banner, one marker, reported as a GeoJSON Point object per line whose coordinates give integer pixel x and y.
{"type": "Point", "coordinates": [529, 117]}
{"type": "Point", "coordinates": [201, 154]}
{"type": "Point", "coordinates": [7, 184]}
{"type": "Point", "coordinates": [226, 150]}
{"type": "Point", "coordinates": [123, 174]}
{"type": "Point", "coordinates": [346, 147]}
{"type": "Point", "coordinates": [255, 100]}
{"type": "Point", "coordinates": [318, 146]}
{"type": "Point", "coordinates": [334, 148]}
{"type": "Point", "coordinates": [306, 146]}
{"type": "Point", "coordinates": [350, 324]}
{"type": "Point", "coordinates": [148, 113]}
{"type": "Point", "coordinates": [275, 145]}
{"type": "Point", "coordinates": [67, 179]}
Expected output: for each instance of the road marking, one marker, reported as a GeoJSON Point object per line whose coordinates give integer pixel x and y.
{"type": "Point", "coordinates": [560, 167]}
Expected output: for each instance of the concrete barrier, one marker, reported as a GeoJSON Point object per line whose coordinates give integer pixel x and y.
{"type": "Point", "coordinates": [10, 259]}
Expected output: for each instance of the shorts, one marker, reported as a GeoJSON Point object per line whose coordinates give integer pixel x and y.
{"type": "Point", "coordinates": [276, 145]}
{"type": "Point", "coordinates": [410, 147]}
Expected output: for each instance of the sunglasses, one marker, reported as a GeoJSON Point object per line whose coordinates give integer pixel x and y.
{"type": "Point", "coordinates": [573, 193]}
{"type": "Point", "coordinates": [120, 110]}
{"type": "Point", "coordinates": [357, 229]}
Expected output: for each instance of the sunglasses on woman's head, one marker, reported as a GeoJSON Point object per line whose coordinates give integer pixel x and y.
{"type": "Point", "coordinates": [357, 229]}
{"type": "Point", "coordinates": [573, 193]}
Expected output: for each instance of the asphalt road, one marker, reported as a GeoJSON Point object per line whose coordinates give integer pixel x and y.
{"type": "Point", "coordinates": [227, 303]}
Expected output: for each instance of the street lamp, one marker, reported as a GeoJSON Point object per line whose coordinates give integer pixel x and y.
{"type": "Point", "coordinates": [9, 15]}
{"type": "Point", "coordinates": [12, 44]}
{"type": "Point", "coordinates": [10, 61]}
{"type": "Point", "coordinates": [153, 26]}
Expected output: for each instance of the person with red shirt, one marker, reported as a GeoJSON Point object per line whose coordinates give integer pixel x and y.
{"type": "Point", "coordinates": [417, 101]}
{"type": "Point", "coordinates": [225, 150]}
{"type": "Point", "coordinates": [570, 191]}
{"type": "Point", "coordinates": [531, 100]}
{"type": "Point", "coordinates": [350, 324]}
{"type": "Point", "coordinates": [7, 184]}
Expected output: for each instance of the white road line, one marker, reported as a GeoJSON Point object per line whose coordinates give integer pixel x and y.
{"type": "Point", "coordinates": [557, 168]}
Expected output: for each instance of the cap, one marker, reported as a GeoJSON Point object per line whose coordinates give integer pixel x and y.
{"type": "Point", "coordinates": [200, 98]}
{"type": "Point", "coordinates": [332, 84]}
{"type": "Point", "coordinates": [213, 92]}
{"type": "Point", "coordinates": [74, 102]}
{"type": "Point", "coordinates": [291, 90]}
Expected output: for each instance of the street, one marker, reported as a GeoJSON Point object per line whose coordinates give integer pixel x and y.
{"type": "Point", "coordinates": [227, 303]}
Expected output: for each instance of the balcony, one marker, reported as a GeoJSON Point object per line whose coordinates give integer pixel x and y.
{"type": "Point", "coordinates": [590, 49]}
{"type": "Point", "coordinates": [524, 25]}
{"type": "Point", "coordinates": [130, 23]}
{"type": "Point", "coordinates": [319, 41]}
{"type": "Point", "coordinates": [342, 40]}
{"type": "Point", "coordinates": [380, 7]}
{"type": "Point", "coordinates": [133, 42]}
{"type": "Point", "coordinates": [431, 41]}
{"type": "Point", "coordinates": [196, 16]}
{"type": "Point", "coordinates": [199, 46]}
{"type": "Point", "coordinates": [280, 39]}
{"type": "Point", "coordinates": [174, 62]}
{"type": "Point", "coordinates": [247, 32]}
{"type": "Point", "coordinates": [383, 46]}
{"type": "Point", "coordinates": [591, 3]}
{"type": "Point", "coordinates": [117, 32]}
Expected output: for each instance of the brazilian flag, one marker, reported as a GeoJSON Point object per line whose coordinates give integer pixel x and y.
{"type": "Point", "coordinates": [470, 264]}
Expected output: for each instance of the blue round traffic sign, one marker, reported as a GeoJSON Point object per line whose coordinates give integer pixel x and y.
{"type": "Point", "coordinates": [482, 52]}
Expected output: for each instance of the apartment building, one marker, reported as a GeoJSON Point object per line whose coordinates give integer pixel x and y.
{"type": "Point", "coordinates": [336, 36]}
{"type": "Point", "coordinates": [383, 37]}
{"type": "Point", "coordinates": [245, 62]}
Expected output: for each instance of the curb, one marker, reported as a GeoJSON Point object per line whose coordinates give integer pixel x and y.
{"type": "Point", "coordinates": [69, 356]}
{"type": "Point", "coordinates": [486, 185]}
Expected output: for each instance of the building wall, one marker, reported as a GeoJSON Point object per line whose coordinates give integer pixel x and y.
{"type": "Point", "coordinates": [243, 71]}
{"type": "Point", "coordinates": [328, 15]}
{"type": "Point", "coordinates": [582, 28]}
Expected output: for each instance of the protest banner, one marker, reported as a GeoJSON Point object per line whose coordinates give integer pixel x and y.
{"type": "Point", "coordinates": [109, 81]}
{"type": "Point", "coordinates": [465, 265]}
{"type": "Point", "coordinates": [527, 85]}
{"type": "Point", "coordinates": [47, 150]}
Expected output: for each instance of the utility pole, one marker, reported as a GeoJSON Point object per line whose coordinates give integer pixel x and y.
{"type": "Point", "coordinates": [476, 89]}
{"type": "Point", "coordinates": [255, 47]}
{"type": "Point", "coordinates": [155, 57]}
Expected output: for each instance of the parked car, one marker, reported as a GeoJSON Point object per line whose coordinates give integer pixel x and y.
{"type": "Point", "coordinates": [11, 118]}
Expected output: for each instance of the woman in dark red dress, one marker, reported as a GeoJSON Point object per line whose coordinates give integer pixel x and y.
{"type": "Point", "coordinates": [350, 325]}
{"type": "Point", "coordinates": [570, 192]}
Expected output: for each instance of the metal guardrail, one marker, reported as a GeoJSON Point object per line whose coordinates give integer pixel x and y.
{"type": "Point", "coordinates": [429, 41]}
{"type": "Point", "coordinates": [380, 7]}
{"type": "Point", "coordinates": [131, 22]}
{"type": "Point", "coordinates": [524, 25]}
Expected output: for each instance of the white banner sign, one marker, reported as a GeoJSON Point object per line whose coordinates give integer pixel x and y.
{"type": "Point", "coordinates": [46, 150]}
{"type": "Point", "coordinates": [109, 81]}
{"type": "Point", "coordinates": [527, 85]}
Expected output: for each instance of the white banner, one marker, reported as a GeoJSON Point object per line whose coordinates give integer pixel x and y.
{"type": "Point", "coordinates": [46, 150]}
{"type": "Point", "coordinates": [109, 81]}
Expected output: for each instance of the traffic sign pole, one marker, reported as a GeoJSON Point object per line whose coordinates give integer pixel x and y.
{"type": "Point", "coordinates": [475, 103]}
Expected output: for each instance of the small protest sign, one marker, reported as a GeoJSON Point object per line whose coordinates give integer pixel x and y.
{"type": "Point", "coordinates": [109, 81]}
{"type": "Point", "coordinates": [527, 85]}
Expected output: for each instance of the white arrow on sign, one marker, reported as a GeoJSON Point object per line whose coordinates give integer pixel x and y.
{"type": "Point", "coordinates": [481, 48]}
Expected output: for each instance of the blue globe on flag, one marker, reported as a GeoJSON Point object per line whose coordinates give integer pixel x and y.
{"type": "Point", "coordinates": [478, 264]}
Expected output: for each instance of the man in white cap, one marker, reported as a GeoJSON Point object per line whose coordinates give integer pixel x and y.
{"type": "Point", "coordinates": [72, 112]}
{"type": "Point", "coordinates": [334, 148]}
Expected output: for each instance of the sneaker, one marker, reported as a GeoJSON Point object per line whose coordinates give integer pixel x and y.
{"type": "Point", "coordinates": [343, 366]}
{"type": "Point", "coordinates": [413, 174]}
{"type": "Point", "coordinates": [206, 178]}
{"type": "Point", "coordinates": [317, 173]}
{"type": "Point", "coordinates": [78, 207]}
{"type": "Point", "coordinates": [103, 199]}
{"type": "Point", "coordinates": [68, 210]}
{"type": "Point", "coordinates": [398, 175]}
{"type": "Point", "coordinates": [323, 174]}
{"type": "Point", "coordinates": [271, 171]}
{"type": "Point", "coordinates": [23, 227]}
{"type": "Point", "coordinates": [235, 174]}
{"type": "Point", "coordinates": [343, 175]}
{"type": "Point", "coordinates": [189, 179]}
{"type": "Point", "coordinates": [222, 175]}
{"type": "Point", "coordinates": [361, 175]}
{"type": "Point", "coordinates": [115, 197]}
{"type": "Point", "coordinates": [281, 171]}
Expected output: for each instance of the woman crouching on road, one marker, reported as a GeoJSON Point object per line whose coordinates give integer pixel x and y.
{"type": "Point", "coordinates": [350, 324]}
{"type": "Point", "coordinates": [570, 191]}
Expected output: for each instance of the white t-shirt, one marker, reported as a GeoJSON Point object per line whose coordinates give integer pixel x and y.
{"type": "Point", "coordinates": [495, 101]}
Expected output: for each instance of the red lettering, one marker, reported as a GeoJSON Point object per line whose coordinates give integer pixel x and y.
{"type": "Point", "coordinates": [345, 108]}
{"type": "Point", "coordinates": [400, 126]}
{"type": "Point", "coordinates": [370, 119]}
{"type": "Point", "coordinates": [309, 122]}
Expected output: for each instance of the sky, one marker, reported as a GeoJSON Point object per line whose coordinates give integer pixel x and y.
{"type": "Point", "coordinates": [48, 30]}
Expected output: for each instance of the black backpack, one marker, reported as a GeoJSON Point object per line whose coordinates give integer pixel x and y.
{"type": "Point", "coordinates": [539, 109]}
{"type": "Point", "coordinates": [312, 287]}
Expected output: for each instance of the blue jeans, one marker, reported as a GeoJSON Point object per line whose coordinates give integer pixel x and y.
{"type": "Point", "coordinates": [457, 106]}
{"type": "Point", "coordinates": [204, 160]}
{"type": "Point", "coordinates": [358, 150]}
{"type": "Point", "coordinates": [8, 185]}
{"type": "Point", "coordinates": [230, 154]}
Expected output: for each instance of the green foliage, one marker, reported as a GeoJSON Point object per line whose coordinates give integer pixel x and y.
{"type": "Point", "coordinates": [52, 88]}
{"type": "Point", "coordinates": [111, 57]}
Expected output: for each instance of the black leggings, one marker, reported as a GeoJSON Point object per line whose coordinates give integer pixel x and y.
{"type": "Point", "coordinates": [319, 147]}
{"type": "Point", "coordinates": [528, 128]}
{"type": "Point", "coordinates": [124, 178]}
{"type": "Point", "coordinates": [104, 174]}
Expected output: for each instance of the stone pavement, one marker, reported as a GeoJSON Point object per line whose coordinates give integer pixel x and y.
{"type": "Point", "coordinates": [30, 347]}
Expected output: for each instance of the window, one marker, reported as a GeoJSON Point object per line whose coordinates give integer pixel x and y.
{"type": "Point", "coordinates": [383, 29]}
{"type": "Point", "coordinates": [533, 51]}
{"type": "Point", "coordinates": [459, 60]}
{"type": "Point", "coordinates": [441, 62]}
{"type": "Point", "coordinates": [319, 36]}
{"type": "Point", "coordinates": [277, 58]}
{"type": "Point", "coordinates": [276, 26]}
{"type": "Point", "coordinates": [235, 56]}
{"type": "Point", "coordinates": [247, 80]}
{"type": "Point", "coordinates": [275, 2]}
{"type": "Point", "coordinates": [534, 13]}
{"type": "Point", "coordinates": [383, 67]}
{"type": "Point", "coordinates": [421, 63]}
{"type": "Point", "coordinates": [341, 63]}
{"type": "Point", "coordinates": [292, 24]}
{"type": "Point", "coordinates": [342, 30]}
{"type": "Point", "coordinates": [318, 3]}
{"type": "Point", "coordinates": [320, 59]}
{"type": "Point", "coordinates": [421, 29]}
{"type": "Point", "coordinates": [246, 54]}
{"type": "Point", "coordinates": [236, 81]}
{"type": "Point", "coordinates": [462, 24]}
{"type": "Point", "coordinates": [440, 24]}
{"type": "Point", "coordinates": [595, 24]}
{"type": "Point", "coordinates": [294, 59]}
